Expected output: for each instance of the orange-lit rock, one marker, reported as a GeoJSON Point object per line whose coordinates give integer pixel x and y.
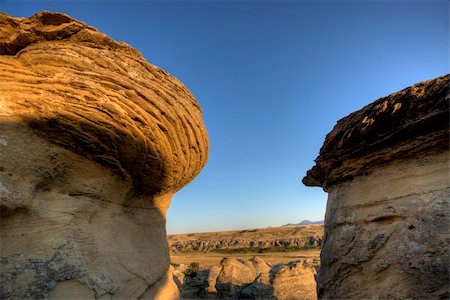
{"type": "Point", "coordinates": [94, 141]}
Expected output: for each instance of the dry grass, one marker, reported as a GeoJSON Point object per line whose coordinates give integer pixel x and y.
{"type": "Point", "coordinates": [272, 257]}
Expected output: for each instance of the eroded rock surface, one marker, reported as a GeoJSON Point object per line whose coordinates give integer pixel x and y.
{"type": "Point", "coordinates": [213, 274]}
{"type": "Point", "coordinates": [386, 168]}
{"type": "Point", "coordinates": [252, 279]}
{"type": "Point", "coordinates": [294, 280]}
{"type": "Point", "coordinates": [94, 141]}
{"type": "Point", "coordinates": [234, 274]}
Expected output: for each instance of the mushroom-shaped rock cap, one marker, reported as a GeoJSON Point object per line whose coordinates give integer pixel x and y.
{"type": "Point", "coordinates": [101, 99]}
{"type": "Point", "coordinates": [404, 124]}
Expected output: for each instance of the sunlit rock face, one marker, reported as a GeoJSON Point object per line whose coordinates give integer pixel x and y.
{"type": "Point", "coordinates": [94, 141]}
{"type": "Point", "coordinates": [386, 169]}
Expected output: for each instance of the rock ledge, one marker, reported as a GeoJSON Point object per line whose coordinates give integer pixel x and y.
{"type": "Point", "coordinates": [404, 124]}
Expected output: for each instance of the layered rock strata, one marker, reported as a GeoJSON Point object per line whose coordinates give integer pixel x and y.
{"type": "Point", "coordinates": [94, 141]}
{"type": "Point", "coordinates": [386, 169]}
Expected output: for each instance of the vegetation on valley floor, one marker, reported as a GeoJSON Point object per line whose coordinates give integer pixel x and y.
{"type": "Point", "coordinates": [264, 250]}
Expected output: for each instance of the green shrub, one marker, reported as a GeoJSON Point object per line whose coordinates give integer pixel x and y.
{"type": "Point", "coordinates": [192, 269]}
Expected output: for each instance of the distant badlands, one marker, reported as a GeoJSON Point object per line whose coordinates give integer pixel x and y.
{"type": "Point", "coordinates": [284, 238]}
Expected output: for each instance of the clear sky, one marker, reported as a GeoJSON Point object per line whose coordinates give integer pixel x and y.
{"type": "Point", "coordinates": [272, 78]}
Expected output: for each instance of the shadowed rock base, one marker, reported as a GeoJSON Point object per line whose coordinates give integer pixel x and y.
{"type": "Point", "coordinates": [70, 226]}
{"type": "Point", "coordinates": [387, 234]}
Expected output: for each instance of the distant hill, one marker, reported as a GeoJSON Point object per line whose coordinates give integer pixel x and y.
{"type": "Point", "coordinates": [305, 222]}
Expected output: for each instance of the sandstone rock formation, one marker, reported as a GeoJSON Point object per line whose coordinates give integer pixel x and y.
{"type": "Point", "coordinates": [386, 169]}
{"type": "Point", "coordinates": [213, 274]}
{"type": "Point", "coordinates": [178, 274]}
{"type": "Point", "coordinates": [94, 141]}
{"type": "Point", "coordinates": [259, 265]}
{"type": "Point", "coordinates": [234, 274]}
{"type": "Point", "coordinates": [260, 288]}
{"type": "Point", "coordinates": [294, 281]}
{"type": "Point", "coordinates": [237, 279]}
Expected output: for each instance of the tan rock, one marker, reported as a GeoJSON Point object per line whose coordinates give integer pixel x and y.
{"type": "Point", "coordinates": [386, 168]}
{"type": "Point", "coordinates": [233, 276]}
{"type": "Point", "coordinates": [178, 275]}
{"type": "Point", "coordinates": [165, 289]}
{"type": "Point", "coordinates": [259, 265]}
{"type": "Point", "coordinates": [294, 281]}
{"type": "Point", "coordinates": [94, 141]}
{"type": "Point", "coordinates": [251, 268]}
{"type": "Point", "coordinates": [213, 273]}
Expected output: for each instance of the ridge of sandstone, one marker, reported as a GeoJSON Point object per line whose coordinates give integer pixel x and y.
{"type": "Point", "coordinates": [94, 141]}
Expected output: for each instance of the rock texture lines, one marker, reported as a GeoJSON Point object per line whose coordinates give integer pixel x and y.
{"type": "Point", "coordinates": [94, 141]}
{"type": "Point", "coordinates": [101, 99]}
{"type": "Point", "coordinates": [386, 169]}
{"type": "Point", "coordinates": [400, 126]}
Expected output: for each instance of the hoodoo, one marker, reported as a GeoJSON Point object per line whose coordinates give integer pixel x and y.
{"type": "Point", "coordinates": [94, 141]}
{"type": "Point", "coordinates": [386, 170]}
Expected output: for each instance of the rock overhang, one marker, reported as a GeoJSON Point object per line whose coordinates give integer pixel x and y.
{"type": "Point", "coordinates": [101, 99]}
{"type": "Point", "coordinates": [404, 124]}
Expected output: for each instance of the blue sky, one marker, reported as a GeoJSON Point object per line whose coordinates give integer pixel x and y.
{"type": "Point", "coordinates": [272, 78]}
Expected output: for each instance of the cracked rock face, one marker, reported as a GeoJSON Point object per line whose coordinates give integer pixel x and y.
{"type": "Point", "coordinates": [386, 169]}
{"type": "Point", "coordinates": [94, 141]}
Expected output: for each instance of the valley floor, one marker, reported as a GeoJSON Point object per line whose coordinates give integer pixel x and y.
{"type": "Point", "coordinates": [206, 260]}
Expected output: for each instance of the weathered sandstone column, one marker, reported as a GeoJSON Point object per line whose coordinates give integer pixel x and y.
{"type": "Point", "coordinates": [94, 141]}
{"type": "Point", "coordinates": [386, 169]}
